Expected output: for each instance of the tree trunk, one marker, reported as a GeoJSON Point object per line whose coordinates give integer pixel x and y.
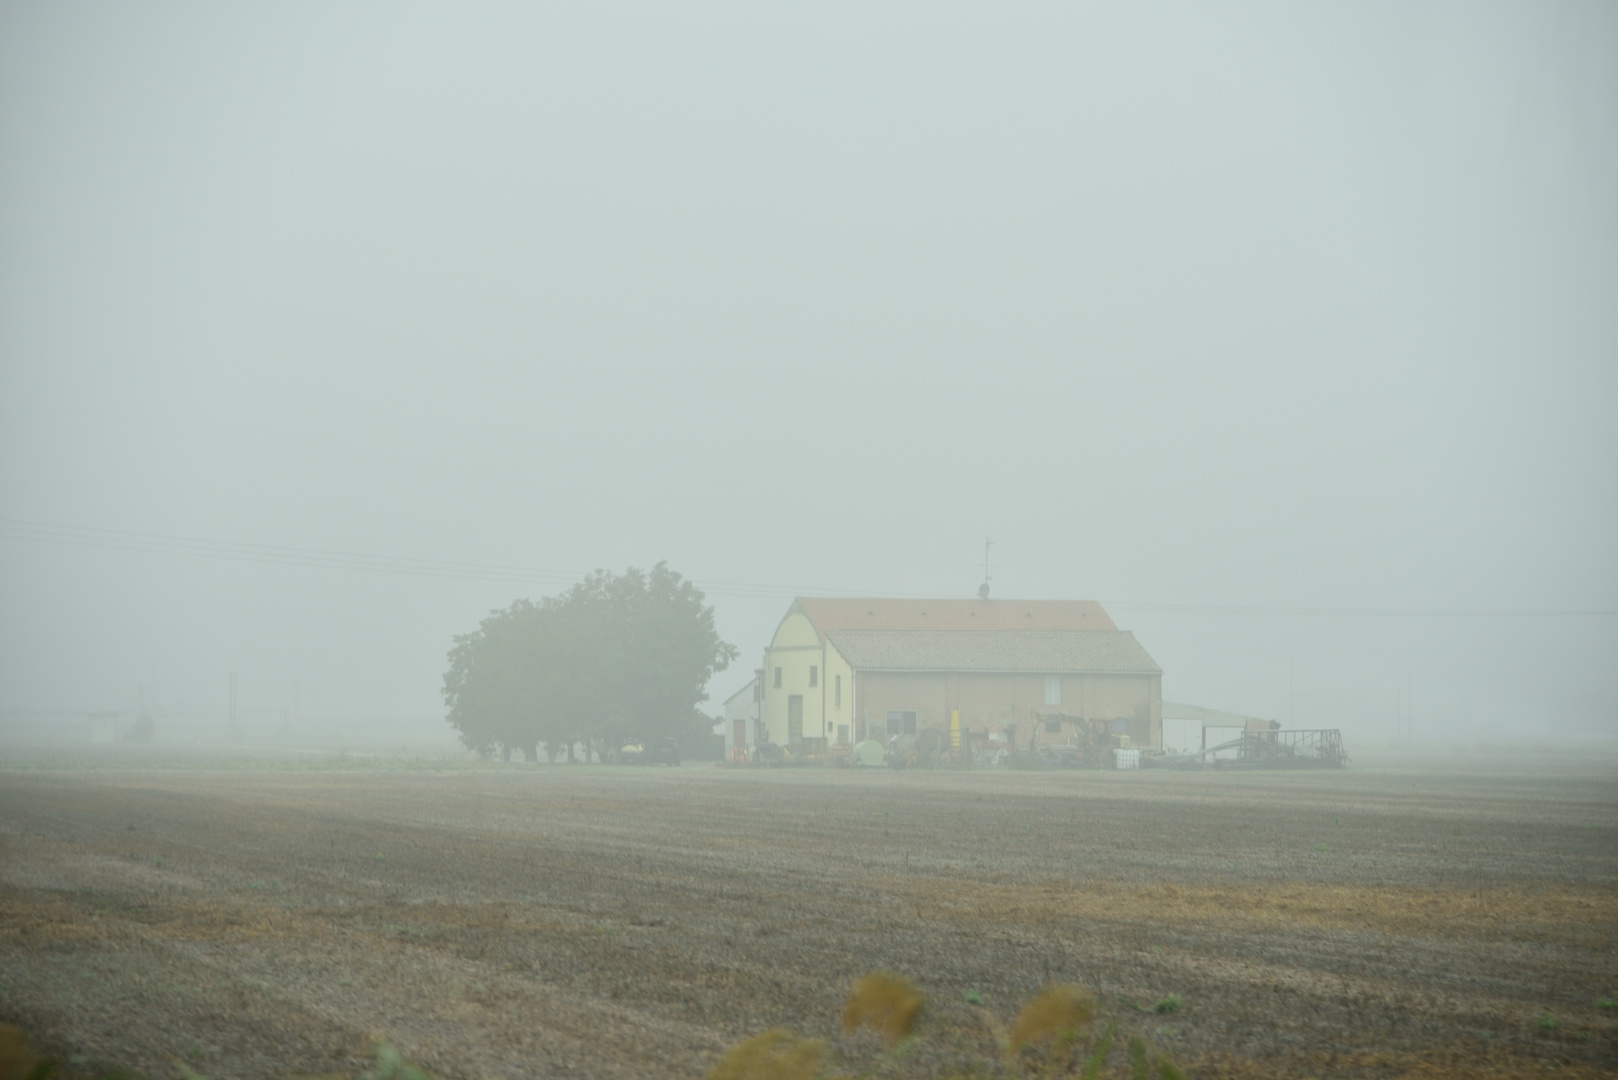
{"type": "Point", "coordinates": [531, 752]}
{"type": "Point", "coordinates": [505, 753]}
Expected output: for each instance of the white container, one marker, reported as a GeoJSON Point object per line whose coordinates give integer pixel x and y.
{"type": "Point", "coordinates": [1126, 759]}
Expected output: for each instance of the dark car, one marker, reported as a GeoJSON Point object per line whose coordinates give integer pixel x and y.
{"type": "Point", "coordinates": [652, 752]}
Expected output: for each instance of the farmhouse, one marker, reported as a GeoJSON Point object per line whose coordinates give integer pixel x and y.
{"type": "Point", "coordinates": [1016, 672]}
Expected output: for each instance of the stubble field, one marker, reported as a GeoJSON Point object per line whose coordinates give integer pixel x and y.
{"type": "Point", "coordinates": [616, 922]}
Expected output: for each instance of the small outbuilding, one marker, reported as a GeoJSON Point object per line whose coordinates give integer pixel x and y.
{"type": "Point", "coordinates": [741, 717]}
{"type": "Point", "coordinates": [1191, 729]}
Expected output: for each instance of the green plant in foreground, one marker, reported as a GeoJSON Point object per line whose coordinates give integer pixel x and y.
{"type": "Point", "coordinates": [1098, 1057]}
{"type": "Point", "coordinates": [1169, 1004]}
{"type": "Point", "coordinates": [1609, 1002]}
{"type": "Point", "coordinates": [1545, 1021]}
{"type": "Point", "coordinates": [391, 1065]}
{"type": "Point", "coordinates": [17, 1057]}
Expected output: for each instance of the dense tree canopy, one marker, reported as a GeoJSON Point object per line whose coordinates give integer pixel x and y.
{"type": "Point", "coordinates": [613, 659]}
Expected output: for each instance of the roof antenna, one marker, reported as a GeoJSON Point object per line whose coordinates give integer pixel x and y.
{"type": "Point", "coordinates": [983, 590]}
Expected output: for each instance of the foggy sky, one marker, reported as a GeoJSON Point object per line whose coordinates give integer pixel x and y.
{"type": "Point", "coordinates": [1198, 311]}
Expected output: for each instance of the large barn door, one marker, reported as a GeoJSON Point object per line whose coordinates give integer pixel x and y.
{"type": "Point", "coordinates": [794, 719]}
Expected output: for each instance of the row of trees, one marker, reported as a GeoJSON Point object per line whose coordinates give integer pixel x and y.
{"type": "Point", "coordinates": [615, 659]}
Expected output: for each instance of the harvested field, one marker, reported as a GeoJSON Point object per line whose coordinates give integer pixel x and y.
{"type": "Point", "coordinates": [615, 922]}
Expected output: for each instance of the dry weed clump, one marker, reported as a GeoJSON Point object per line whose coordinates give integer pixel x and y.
{"type": "Point", "coordinates": [885, 1003]}
{"type": "Point", "coordinates": [17, 1058]}
{"type": "Point", "coordinates": [777, 1054]}
{"type": "Point", "coordinates": [1056, 1014]}
{"type": "Point", "coordinates": [890, 1005]}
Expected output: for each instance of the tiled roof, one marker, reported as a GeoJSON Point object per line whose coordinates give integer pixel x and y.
{"type": "Point", "coordinates": [853, 614]}
{"type": "Point", "coordinates": [1089, 651]}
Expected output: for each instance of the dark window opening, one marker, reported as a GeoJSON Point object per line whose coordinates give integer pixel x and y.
{"type": "Point", "coordinates": [1053, 727]}
{"type": "Point", "coordinates": [837, 685]}
{"type": "Point", "coordinates": [814, 675]}
{"type": "Point", "coordinates": [778, 678]}
{"type": "Point", "coordinates": [901, 723]}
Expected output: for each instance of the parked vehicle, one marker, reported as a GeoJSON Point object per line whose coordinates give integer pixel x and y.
{"type": "Point", "coordinates": [663, 751]}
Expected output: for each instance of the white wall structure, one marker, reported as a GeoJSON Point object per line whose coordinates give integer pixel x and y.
{"type": "Point", "coordinates": [1191, 729]}
{"type": "Point", "coordinates": [742, 707]}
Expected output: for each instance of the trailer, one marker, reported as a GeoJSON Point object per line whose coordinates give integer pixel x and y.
{"type": "Point", "coordinates": [1316, 748]}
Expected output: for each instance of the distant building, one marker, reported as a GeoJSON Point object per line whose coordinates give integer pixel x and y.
{"type": "Point", "coordinates": [1021, 672]}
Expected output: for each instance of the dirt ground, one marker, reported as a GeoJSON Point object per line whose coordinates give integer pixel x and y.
{"type": "Point", "coordinates": [615, 922]}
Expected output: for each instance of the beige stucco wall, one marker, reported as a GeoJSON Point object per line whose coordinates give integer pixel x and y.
{"type": "Point", "coordinates": [995, 700]}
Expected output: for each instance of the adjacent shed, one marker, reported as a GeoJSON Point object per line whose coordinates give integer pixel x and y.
{"type": "Point", "coordinates": [1191, 729]}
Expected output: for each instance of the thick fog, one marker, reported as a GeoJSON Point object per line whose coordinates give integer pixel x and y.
{"type": "Point", "coordinates": [1288, 333]}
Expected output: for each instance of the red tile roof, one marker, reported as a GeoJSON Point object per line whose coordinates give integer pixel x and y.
{"type": "Point", "coordinates": [852, 614]}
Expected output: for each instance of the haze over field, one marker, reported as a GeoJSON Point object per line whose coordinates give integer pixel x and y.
{"type": "Point", "coordinates": [1288, 334]}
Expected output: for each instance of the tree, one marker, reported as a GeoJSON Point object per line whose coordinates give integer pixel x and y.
{"type": "Point", "coordinates": [615, 658]}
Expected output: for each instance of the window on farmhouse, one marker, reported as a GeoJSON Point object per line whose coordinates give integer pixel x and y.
{"type": "Point", "coordinates": [901, 723]}
{"type": "Point", "coordinates": [778, 678]}
{"type": "Point", "coordinates": [814, 675]}
{"type": "Point", "coordinates": [837, 683]}
{"type": "Point", "coordinates": [1053, 689]}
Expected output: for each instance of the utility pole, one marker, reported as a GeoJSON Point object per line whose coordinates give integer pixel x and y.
{"type": "Point", "coordinates": [234, 733]}
{"type": "Point", "coordinates": [983, 590]}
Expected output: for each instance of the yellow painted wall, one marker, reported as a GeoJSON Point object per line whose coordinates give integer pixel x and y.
{"type": "Point", "coordinates": [837, 668]}
{"type": "Point", "coordinates": [795, 648]}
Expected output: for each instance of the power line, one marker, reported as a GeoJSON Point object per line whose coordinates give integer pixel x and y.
{"type": "Point", "coordinates": [159, 543]}
{"type": "Point", "coordinates": [240, 551]}
{"type": "Point", "coordinates": [1378, 612]}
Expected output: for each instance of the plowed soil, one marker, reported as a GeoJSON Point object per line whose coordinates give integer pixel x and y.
{"type": "Point", "coordinates": [612, 922]}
